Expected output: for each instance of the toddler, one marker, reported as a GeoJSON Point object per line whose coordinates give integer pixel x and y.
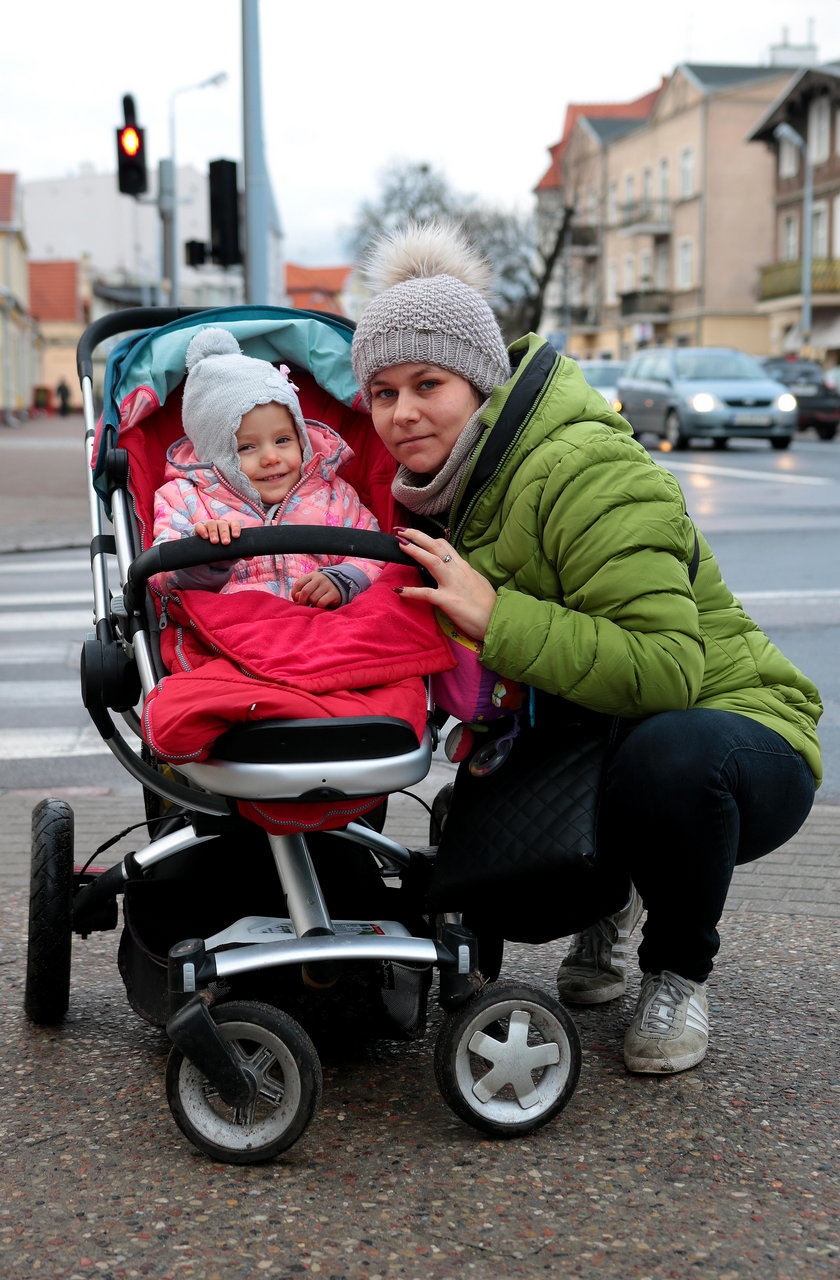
{"type": "Point", "coordinates": [249, 459]}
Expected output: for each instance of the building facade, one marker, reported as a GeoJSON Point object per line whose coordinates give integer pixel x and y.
{"type": "Point", "coordinates": [20, 339]}
{"type": "Point", "coordinates": [805, 172]}
{"type": "Point", "coordinates": [669, 217]}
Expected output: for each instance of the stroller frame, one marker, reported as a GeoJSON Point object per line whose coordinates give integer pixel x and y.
{"type": "Point", "coordinates": [243, 1079]}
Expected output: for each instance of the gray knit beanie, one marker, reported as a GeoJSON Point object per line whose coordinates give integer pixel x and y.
{"type": "Point", "coordinates": [431, 308]}
{"type": "Point", "coordinates": [223, 385]}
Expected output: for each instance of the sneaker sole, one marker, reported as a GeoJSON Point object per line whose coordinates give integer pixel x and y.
{"type": "Point", "coordinates": [601, 995]}
{"type": "Point", "coordinates": [664, 1066]}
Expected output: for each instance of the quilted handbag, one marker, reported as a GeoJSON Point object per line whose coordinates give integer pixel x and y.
{"type": "Point", "coordinates": [517, 854]}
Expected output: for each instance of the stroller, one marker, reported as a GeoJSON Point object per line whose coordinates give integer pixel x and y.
{"type": "Point", "coordinates": [231, 925]}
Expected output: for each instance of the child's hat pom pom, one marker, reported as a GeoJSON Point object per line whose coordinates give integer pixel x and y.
{"type": "Point", "coordinates": [212, 342]}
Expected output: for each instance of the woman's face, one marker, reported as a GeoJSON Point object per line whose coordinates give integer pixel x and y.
{"type": "Point", "coordinates": [419, 411]}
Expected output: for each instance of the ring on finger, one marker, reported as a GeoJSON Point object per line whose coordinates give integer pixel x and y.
{"type": "Point", "coordinates": [445, 559]}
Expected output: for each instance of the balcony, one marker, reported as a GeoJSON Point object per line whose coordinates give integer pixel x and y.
{"type": "Point", "coordinates": [645, 217]}
{"type": "Point", "coordinates": [784, 279]}
{"type": "Point", "coordinates": [583, 241]}
{"type": "Point", "coordinates": [650, 305]}
{"type": "Point", "coordinates": [583, 316]}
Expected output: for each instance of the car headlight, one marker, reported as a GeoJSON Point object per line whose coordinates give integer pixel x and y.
{"type": "Point", "coordinates": [704, 402]}
{"type": "Point", "coordinates": [786, 403]}
{"type": "Point", "coordinates": [616, 404]}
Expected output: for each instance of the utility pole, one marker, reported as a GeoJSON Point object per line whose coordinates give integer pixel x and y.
{"type": "Point", "coordinates": [257, 191]}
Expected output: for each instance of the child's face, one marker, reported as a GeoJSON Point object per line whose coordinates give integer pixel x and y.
{"type": "Point", "coordinates": [269, 451]}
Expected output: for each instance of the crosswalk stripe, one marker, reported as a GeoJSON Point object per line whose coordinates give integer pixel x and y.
{"type": "Point", "coordinates": [49, 598]}
{"type": "Point", "coordinates": [78, 620]}
{"type": "Point", "coordinates": [40, 693]}
{"type": "Point", "coordinates": [35, 744]}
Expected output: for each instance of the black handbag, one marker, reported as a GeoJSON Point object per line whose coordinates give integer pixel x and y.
{"type": "Point", "coordinates": [517, 853]}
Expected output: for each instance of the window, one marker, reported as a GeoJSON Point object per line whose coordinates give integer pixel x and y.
{"type": "Point", "coordinates": [788, 159]}
{"type": "Point", "coordinates": [593, 207]}
{"type": "Point", "coordinates": [647, 188]}
{"type": "Point", "coordinates": [629, 191]}
{"type": "Point", "coordinates": [664, 178]}
{"type": "Point", "coordinates": [819, 129]}
{"type": "Point", "coordinates": [612, 281]}
{"type": "Point", "coordinates": [685, 262]}
{"type": "Point", "coordinates": [789, 238]}
{"type": "Point", "coordinates": [819, 230]}
{"type": "Point", "coordinates": [628, 274]}
{"type": "Point", "coordinates": [612, 203]}
{"type": "Point", "coordinates": [686, 173]}
{"type": "Point", "coordinates": [645, 269]}
{"type": "Point", "coordinates": [662, 266]}
{"type": "Point", "coordinates": [835, 228]}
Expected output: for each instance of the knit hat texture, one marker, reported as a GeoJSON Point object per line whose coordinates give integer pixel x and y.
{"type": "Point", "coordinates": [222, 386]}
{"type": "Point", "coordinates": [431, 309]}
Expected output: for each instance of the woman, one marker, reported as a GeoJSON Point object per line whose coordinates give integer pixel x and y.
{"type": "Point", "coordinates": [570, 566]}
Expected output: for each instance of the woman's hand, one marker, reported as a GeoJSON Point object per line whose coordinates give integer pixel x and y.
{"type": "Point", "coordinates": [218, 530]}
{"type": "Point", "coordinates": [462, 593]}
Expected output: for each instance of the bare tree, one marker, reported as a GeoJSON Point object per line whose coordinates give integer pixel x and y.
{"type": "Point", "coordinates": [416, 192]}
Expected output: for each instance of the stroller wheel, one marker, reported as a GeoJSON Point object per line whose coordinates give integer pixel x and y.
{"type": "Point", "coordinates": [282, 1059]}
{"type": "Point", "coordinates": [508, 1060]}
{"type": "Point", "coordinates": [47, 990]}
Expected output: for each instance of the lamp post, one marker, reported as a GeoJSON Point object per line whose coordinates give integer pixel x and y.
{"type": "Point", "coordinates": [786, 133]}
{"type": "Point", "coordinates": [168, 191]}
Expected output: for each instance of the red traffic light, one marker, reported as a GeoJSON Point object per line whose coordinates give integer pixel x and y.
{"type": "Point", "coordinates": [129, 140]}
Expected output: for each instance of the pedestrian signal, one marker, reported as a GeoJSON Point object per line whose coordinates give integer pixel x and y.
{"type": "Point", "coordinates": [131, 153]}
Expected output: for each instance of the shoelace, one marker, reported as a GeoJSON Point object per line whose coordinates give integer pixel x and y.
{"type": "Point", "coordinates": [587, 946]}
{"type": "Point", "coordinates": [661, 1009]}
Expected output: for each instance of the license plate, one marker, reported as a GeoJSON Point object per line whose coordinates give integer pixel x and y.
{"type": "Point", "coordinates": [804, 389]}
{"type": "Point", "coordinates": [752, 420]}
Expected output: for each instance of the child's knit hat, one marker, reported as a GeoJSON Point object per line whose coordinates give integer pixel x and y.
{"type": "Point", "coordinates": [223, 385]}
{"type": "Point", "coordinates": [432, 308]}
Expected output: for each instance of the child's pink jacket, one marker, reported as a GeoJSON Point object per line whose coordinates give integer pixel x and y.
{"type": "Point", "coordinates": [195, 491]}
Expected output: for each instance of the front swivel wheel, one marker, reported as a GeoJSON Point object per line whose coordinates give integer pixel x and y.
{"type": "Point", "coordinates": [508, 1060]}
{"type": "Point", "coordinates": [281, 1060]}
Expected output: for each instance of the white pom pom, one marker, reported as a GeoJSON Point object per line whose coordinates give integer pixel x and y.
{"type": "Point", "coordinates": [211, 342]}
{"type": "Point", "coordinates": [424, 250]}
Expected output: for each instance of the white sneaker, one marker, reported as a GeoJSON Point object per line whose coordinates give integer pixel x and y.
{"type": "Point", "coordinates": [670, 1028]}
{"type": "Point", "coordinates": [595, 970]}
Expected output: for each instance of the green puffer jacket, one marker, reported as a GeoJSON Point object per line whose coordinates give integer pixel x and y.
{"type": "Point", "coordinates": [577, 501]}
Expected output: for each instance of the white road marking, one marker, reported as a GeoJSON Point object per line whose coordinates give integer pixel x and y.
{"type": "Point", "coordinates": [37, 744]}
{"type": "Point", "coordinates": [799, 596]}
{"type": "Point", "coordinates": [769, 477]}
{"type": "Point", "coordinates": [40, 693]}
{"type": "Point", "coordinates": [47, 598]}
{"type": "Point", "coordinates": [45, 566]}
{"type": "Point", "coordinates": [44, 623]}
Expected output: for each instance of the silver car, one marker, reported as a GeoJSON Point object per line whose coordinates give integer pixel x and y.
{"type": "Point", "coordinates": [603, 375]}
{"type": "Point", "coordinates": [705, 393]}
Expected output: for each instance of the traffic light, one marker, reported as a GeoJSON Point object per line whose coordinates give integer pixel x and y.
{"type": "Point", "coordinates": [131, 153]}
{"type": "Point", "coordinates": [224, 213]}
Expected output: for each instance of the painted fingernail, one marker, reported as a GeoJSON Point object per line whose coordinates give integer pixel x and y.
{"type": "Point", "coordinates": [400, 528]}
{"type": "Point", "coordinates": [404, 542]}
{"type": "Point", "coordinates": [398, 590]}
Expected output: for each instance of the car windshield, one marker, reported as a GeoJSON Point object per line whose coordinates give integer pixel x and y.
{"type": "Point", "coordinates": [705, 366]}
{"type": "Point", "coordinates": [795, 371]}
{"type": "Point", "coordinates": [603, 375]}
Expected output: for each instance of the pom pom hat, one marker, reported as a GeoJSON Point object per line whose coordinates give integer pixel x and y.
{"type": "Point", "coordinates": [431, 308]}
{"type": "Point", "coordinates": [222, 386]}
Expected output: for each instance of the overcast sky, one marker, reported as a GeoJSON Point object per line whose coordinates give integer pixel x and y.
{"type": "Point", "coordinates": [478, 88]}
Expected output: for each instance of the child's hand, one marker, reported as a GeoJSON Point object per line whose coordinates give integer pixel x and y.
{"type": "Point", "coordinates": [317, 590]}
{"type": "Point", "coordinates": [218, 530]}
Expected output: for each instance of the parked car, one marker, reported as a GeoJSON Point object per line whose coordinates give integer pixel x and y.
{"type": "Point", "coordinates": [817, 397]}
{"type": "Point", "coordinates": [708, 393]}
{"type": "Point", "coordinates": [603, 375]}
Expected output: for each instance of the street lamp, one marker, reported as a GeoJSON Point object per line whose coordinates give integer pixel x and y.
{"type": "Point", "coordinates": [172, 261]}
{"type": "Point", "coordinates": [786, 133]}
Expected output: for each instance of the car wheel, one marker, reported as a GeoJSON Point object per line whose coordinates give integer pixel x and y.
{"type": "Point", "coordinates": [826, 432]}
{"type": "Point", "coordinates": [780, 442]}
{"type": "Point", "coordinates": [674, 433]}
{"type": "Point", "coordinates": [720, 442]}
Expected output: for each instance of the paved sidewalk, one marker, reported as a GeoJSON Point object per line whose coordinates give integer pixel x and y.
{"type": "Point", "coordinates": [730, 1171]}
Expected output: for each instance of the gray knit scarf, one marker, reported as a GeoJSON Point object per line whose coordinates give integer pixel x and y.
{"type": "Point", "coordinates": [431, 495]}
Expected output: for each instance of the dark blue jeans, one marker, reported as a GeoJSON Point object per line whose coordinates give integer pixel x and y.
{"type": "Point", "coordinates": [688, 796]}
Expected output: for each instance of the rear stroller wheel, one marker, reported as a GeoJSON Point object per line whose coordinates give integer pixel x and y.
{"type": "Point", "coordinates": [47, 990]}
{"type": "Point", "coordinates": [508, 1060]}
{"type": "Point", "coordinates": [282, 1059]}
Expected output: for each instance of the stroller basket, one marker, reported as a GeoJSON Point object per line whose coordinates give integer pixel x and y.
{"type": "Point", "coordinates": [323, 902]}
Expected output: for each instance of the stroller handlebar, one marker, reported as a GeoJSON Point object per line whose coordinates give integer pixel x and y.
{"type": "Point", "coordinates": [274, 540]}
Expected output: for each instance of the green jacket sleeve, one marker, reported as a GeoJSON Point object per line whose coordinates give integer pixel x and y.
{"type": "Point", "coordinates": [620, 633]}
